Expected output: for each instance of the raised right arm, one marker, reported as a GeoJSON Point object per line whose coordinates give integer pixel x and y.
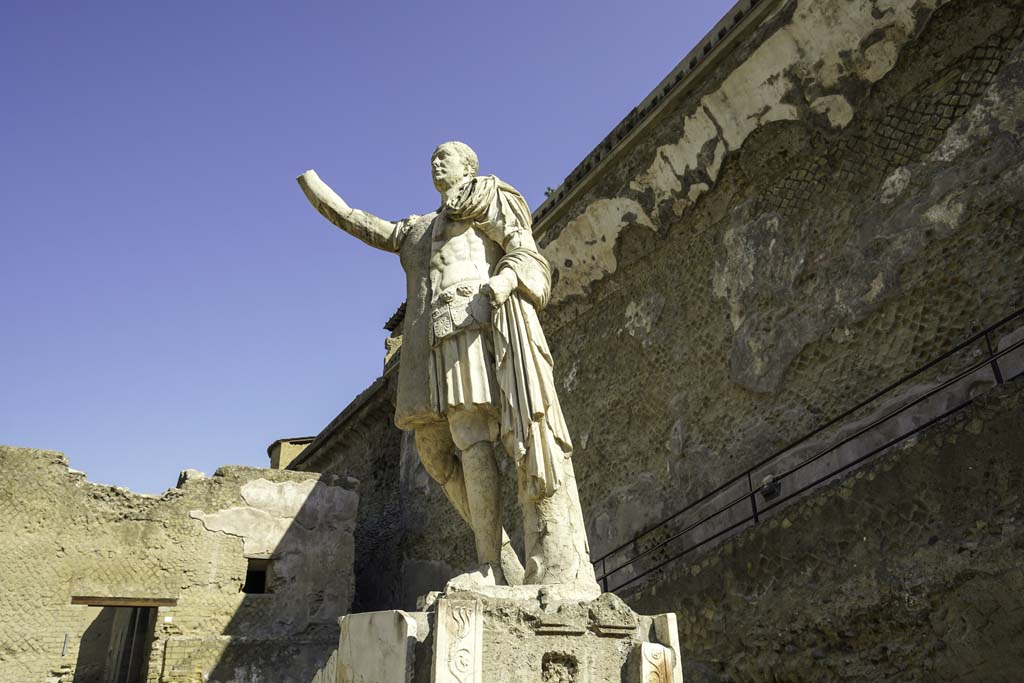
{"type": "Point", "coordinates": [375, 231]}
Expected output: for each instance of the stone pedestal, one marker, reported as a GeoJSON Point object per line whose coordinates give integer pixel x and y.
{"type": "Point", "coordinates": [465, 637]}
{"type": "Point", "coordinates": [378, 646]}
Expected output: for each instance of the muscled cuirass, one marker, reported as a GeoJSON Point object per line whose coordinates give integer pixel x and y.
{"type": "Point", "coordinates": [446, 262]}
{"type": "Point", "coordinates": [462, 259]}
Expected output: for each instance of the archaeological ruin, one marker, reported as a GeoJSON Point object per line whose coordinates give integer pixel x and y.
{"type": "Point", "coordinates": [785, 313]}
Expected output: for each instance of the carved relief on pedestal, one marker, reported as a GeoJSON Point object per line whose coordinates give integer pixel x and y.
{"type": "Point", "coordinates": [667, 632]}
{"type": "Point", "coordinates": [458, 644]}
{"type": "Point", "coordinates": [657, 663]}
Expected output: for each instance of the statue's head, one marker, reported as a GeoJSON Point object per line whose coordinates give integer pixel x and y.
{"type": "Point", "coordinates": [451, 163]}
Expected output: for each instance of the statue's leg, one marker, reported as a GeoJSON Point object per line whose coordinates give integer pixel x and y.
{"type": "Point", "coordinates": [437, 453]}
{"type": "Point", "coordinates": [474, 433]}
{"type": "Point", "coordinates": [557, 551]}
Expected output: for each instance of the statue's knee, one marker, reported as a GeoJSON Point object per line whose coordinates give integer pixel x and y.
{"type": "Point", "coordinates": [472, 427]}
{"type": "Point", "coordinates": [440, 466]}
{"type": "Point", "coordinates": [437, 453]}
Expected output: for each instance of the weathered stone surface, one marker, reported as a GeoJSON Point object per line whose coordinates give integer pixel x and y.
{"type": "Point", "coordinates": [819, 265]}
{"type": "Point", "coordinates": [188, 475]}
{"type": "Point", "coordinates": [652, 663]}
{"type": "Point", "coordinates": [569, 642]}
{"type": "Point", "coordinates": [377, 647]}
{"type": "Point", "coordinates": [64, 537]}
{"type": "Point", "coordinates": [908, 570]}
{"type": "Point", "coordinates": [486, 639]}
{"type": "Point", "coordinates": [276, 509]}
{"type": "Point", "coordinates": [283, 451]}
{"type": "Point", "coordinates": [458, 642]}
{"type": "Point", "coordinates": [666, 630]}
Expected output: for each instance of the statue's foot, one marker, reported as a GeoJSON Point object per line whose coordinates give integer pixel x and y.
{"type": "Point", "coordinates": [561, 583]}
{"type": "Point", "coordinates": [581, 590]}
{"type": "Point", "coordinates": [486, 575]}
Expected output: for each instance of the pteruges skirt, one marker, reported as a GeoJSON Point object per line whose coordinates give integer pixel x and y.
{"type": "Point", "coordinates": [462, 370]}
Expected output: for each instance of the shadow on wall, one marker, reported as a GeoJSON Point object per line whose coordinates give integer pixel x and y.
{"type": "Point", "coordinates": [92, 650]}
{"type": "Point", "coordinates": [892, 418]}
{"type": "Point", "coordinates": [239, 577]}
{"type": "Point", "coordinates": [293, 581]}
{"type": "Point", "coordinates": [116, 646]}
{"type": "Point", "coordinates": [77, 559]}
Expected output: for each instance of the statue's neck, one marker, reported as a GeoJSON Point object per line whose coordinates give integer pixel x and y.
{"type": "Point", "coordinates": [453, 190]}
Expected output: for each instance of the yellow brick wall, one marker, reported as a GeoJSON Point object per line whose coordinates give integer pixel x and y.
{"type": "Point", "coordinates": [63, 536]}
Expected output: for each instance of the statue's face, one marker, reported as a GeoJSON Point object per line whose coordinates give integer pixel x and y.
{"type": "Point", "coordinates": [448, 167]}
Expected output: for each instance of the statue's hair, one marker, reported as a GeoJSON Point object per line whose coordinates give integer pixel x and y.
{"type": "Point", "coordinates": [466, 152]}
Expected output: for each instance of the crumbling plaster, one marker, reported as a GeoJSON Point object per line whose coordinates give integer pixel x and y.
{"type": "Point", "coordinates": [274, 510]}
{"type": "Point", "coordinates": [821, 58]}
{"type": "Point", "coordinates": [797, 68]}
{"type": "Point", "coordinates": [826, 256]}
{"type": "Point", "coordinates": [65, 536]}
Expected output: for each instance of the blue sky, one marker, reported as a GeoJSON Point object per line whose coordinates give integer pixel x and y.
{"type": "Point", "coordinates": [169, 299]}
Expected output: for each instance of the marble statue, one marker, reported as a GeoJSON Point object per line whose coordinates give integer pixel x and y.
{"type": "Point", "coordinates": [475, 368]}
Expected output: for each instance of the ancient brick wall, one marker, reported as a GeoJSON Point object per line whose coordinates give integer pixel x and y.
{"type": "Point", "coordinates": [909, 570]}
{"type": "Point", "coordinates": [834, 202]}
{"type": "Point", "coordinates": [63, 536]}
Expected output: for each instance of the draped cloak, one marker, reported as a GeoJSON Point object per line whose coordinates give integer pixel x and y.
{"type": "Point", "coordinates": [532, 427]}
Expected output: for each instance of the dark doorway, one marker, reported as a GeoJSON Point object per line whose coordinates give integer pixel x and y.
{"type": "Point", "coordinates": [116, 647]}
{"type": "Point", "coordinates": [131, 636]}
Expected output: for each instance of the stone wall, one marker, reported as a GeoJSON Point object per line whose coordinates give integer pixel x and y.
{"type": "Point", "coordinates": [362, 446]}
{"type": "Point", "coordinates": [64, 537]}
{"type": "Point", "coordinates": [835, 201]}
{"type": "Point", "coordinates": [909, 570]}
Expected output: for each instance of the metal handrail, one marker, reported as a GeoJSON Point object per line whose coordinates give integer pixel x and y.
{"type": "Point", "coordinates": [991, 359]}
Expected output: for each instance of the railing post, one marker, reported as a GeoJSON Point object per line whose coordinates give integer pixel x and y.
{"type": "Point", "coordinates": [604, 573]}
{"type": "Point", "coordinates": [995, 363]}
{"type": "Point", "coordinates": [753, 497]}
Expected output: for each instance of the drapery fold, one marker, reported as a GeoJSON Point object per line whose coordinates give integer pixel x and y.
{"type": "Point", "coordinates": [533, 429]}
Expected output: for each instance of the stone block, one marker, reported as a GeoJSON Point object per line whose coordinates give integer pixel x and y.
{"type": "Point", "coordinates": [666, 631]}
{"type": "Point", "coordinates": [458, 642]}
{"type": "Point", "coordinates": [478, 638]}
{"type": "Point", "coordinates": [376, 647]}
{"type": "Point", "coordinates": [656, 665]}
{"type": "Point", "coordinates": [653, 663]}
